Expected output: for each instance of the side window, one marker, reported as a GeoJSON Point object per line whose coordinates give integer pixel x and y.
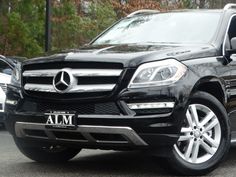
{"type": "Point", "coordinates": [231, 33]}
{"type": "Point", "coordinates": [5, 68]}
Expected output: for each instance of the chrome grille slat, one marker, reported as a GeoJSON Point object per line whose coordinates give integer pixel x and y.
{"type": "Point", "coordinates": [76, 89]}
{"type": "Point", "coordinates": [40, 73]}
{"type": "Point", "coordinates": [75, 72]}
{"type": "Point", "coordinates": [84, 79]}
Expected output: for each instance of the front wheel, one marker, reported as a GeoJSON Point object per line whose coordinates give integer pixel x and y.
{"type": "Point", "coordinates": [204, 139]}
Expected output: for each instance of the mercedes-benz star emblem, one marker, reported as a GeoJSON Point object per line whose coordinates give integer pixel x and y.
{"type": "Point", "coordinates": [63, 81]}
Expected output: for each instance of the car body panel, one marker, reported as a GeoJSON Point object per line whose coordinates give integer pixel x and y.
{"type": "Point", "coordinates": [204, 62]}
{"type": "Point", "coordinates": [5, 79]}
{"type": "Point", "coordinates": [131, 55]}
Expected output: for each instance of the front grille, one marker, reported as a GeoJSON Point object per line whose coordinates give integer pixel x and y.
{"type": "Point", "coordinates": [108, 108]}
{"type": "Point", "coordinates": [4, 87]}
{"type": "Point", "coordinates": [87, 79]}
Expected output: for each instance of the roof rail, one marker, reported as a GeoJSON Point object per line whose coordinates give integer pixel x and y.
{"type": "Point", "coordinates": [230, 6]}
{"type": "Point", "coordinates": [143, 11]}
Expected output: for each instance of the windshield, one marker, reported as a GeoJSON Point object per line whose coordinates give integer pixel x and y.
{"type": "Point", "coordinates": [179, 28]}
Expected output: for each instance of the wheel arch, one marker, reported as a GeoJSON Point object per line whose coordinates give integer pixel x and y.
{"type": "Point", "coordinates": [213, 86]}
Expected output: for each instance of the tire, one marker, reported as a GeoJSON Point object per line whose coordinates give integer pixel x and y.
{"type": "Point", "coordinates": [191, 155]}
{"type": "Point", "coordinates": [46, 154]}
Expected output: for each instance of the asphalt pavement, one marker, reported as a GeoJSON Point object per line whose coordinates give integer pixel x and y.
{"type": "Point", "coordinates": [93, 163]}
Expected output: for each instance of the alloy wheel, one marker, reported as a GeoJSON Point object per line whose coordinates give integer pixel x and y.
{"type": "Point", "coordinates": [200, 135]}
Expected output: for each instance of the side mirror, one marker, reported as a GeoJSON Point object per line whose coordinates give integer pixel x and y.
{"type": "Point", "coordinates": [229, 51]}
{"type": "Point", "coordinates": [233, 43]}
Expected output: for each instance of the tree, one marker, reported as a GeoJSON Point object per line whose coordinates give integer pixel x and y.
{"type": "Point", "coordinates": [74, 22]}
{"type": "Point", "coordinates": [73, 28]}
{"type": "Point", "coordinates": [21, 27]}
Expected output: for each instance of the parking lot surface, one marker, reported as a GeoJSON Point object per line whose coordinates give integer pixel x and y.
{"type": "Point", "coordinates": [91, 163]}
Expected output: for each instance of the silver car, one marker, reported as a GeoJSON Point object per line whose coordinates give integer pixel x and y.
{"type": "Point", "coordinates": [6, 68]}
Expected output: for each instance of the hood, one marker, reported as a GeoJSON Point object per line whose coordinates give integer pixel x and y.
{"type": "Point", "coordinates": [130, 55]}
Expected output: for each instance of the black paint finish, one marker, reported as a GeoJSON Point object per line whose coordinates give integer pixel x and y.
{"type": "Point", "coordinates": [208, 70]}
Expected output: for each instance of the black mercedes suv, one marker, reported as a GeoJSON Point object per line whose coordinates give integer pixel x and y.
{"type": "Point", "coordinates": [157, 82]}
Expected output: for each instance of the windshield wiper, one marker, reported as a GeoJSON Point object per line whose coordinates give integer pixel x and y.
{"type": "Point", "coordinates": [172, 43]}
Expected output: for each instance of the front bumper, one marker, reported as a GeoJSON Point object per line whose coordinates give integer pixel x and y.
{"type": "Point", "coordinates": [100, 131]}
{"type": "Point", "coordinates": [108, 129]}
{"type": "Point", "coordinates": [129, 135]}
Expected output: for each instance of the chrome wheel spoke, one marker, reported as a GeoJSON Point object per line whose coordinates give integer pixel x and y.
{"type": "Point", "coordinates": [189, 149]}
{"type": "Point", "coordinates": [210, 141]}
{"type": "Point", "coordinates": [207, 148]}
{"type": "Point", "coordinates": [206, 119]}
{"type": "Point", "coordinates": [195, 151]}
{"type": "Point", "coordinates": [194, 114]}
{"type": "Point", "coordinates": [186, 130]}
{"type": "Point", "coordinates": [189, 119]}
{"type": "Point", "coordinates": [184, 138]}
{"type": "Point", "coordinates": [211, 125]}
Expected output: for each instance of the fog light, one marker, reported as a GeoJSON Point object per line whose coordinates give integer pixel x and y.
{"type": "Point", "coordinates": [154, 105]}
{"type": "Point", "coordinates": [11, 102]}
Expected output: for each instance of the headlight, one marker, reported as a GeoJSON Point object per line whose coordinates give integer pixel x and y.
{"type": "Point", "coordinates": [157, 73]}
{"type": "Point", "coordinates": [16, 75]}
